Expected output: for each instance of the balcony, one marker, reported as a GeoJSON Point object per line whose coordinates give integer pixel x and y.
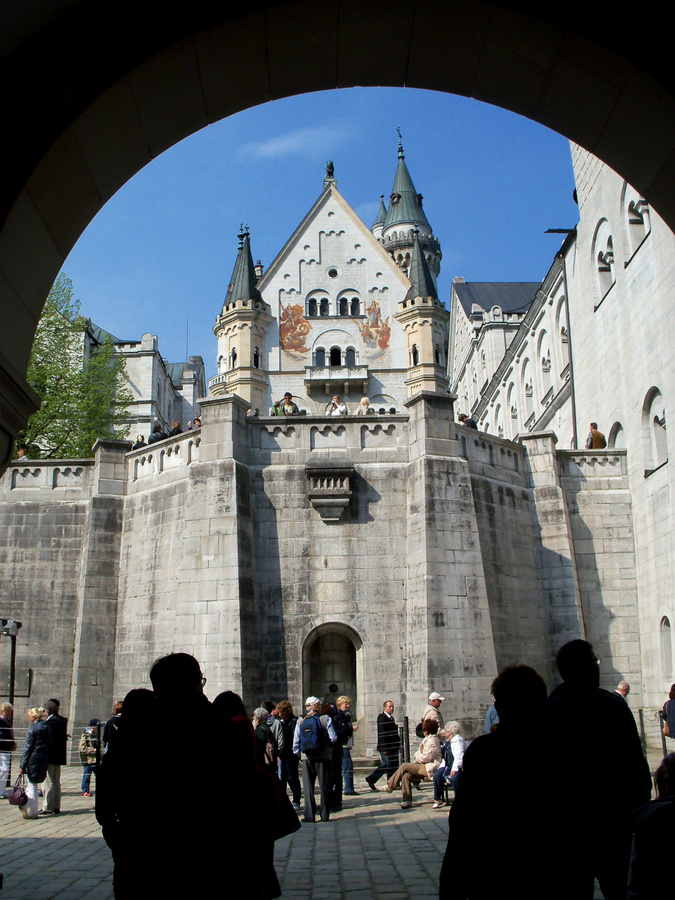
{"type": "Point", "coordinates": [337, 379]}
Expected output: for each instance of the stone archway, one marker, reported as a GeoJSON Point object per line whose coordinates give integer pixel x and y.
{"type": "Point", "coordinates": [99, 90]}
{"type": "Point", "coordinates": [332, 665]}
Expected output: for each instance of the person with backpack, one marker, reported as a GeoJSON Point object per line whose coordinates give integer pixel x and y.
{"type": "Point", "coordinates": [314, 738]}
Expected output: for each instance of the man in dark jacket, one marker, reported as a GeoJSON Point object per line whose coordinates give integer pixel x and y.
{"type": "Point", "coordinates": [388, 744]}
{"type": "Point", "coordinates": [58, 729]}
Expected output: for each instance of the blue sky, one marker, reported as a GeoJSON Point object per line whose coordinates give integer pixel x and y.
{"type": "Point", "coordinates": [161, 251]}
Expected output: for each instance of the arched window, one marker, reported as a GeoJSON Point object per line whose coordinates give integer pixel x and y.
{"type": "Point", "coordinates": [527, 392]}
{"type": "Point", "coordinates": [233, 358]}
{"type": "Point", "coordinates": [561, 331]}
{"type": "Point", "coordinates": [636, 212]}
{"type": "Point", "coordinates": [323, 308]}
{"type": "Point", "coordinates": [350, 357]}
{"type": "Point", "coordinates": [438, 356]}
{"type": "Point", "coordinates": [311, 307]}
{"type": "Point", "coordinates": [511, 404]}
{"type": "Point", "coordinates": [414, 355]}
{"type": "Point", "coordinates": [617, 437]}
{"type": "Point", "coordinates": [564, 346]}
{"type": "Point", "coordinates": [343, 307]}
{"type": "Point", "coordinates": [666, 648]}
{"type": "Point", "coordinates": [356, 306]}
{"type": "Point", "coordinates": [603, 255]}
{"type": "Point", "coordinates": [320, 357]}
{"type": "Point", "coordinates": [220, 363]}
{"type": "Point", "coordinates": [335, 356]}
{"type": "Point", "coordinates": [654, 429]}
{"type": "Point", "coordinates": [256, 358]}
{"type": "Point", "coordinates": [544, 349]}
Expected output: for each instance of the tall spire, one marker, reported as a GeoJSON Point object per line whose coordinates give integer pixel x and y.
{"type": "Point", "coordinates": [419, 273]}
{"type": "Point", "coordinates": [405, 204]}
{"type": "Point", "coordinates": [378, 224]}
{"type": "Point", "coordinates": [243, 282]}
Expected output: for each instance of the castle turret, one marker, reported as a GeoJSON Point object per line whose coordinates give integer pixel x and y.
{"type": "Point", "coordinates": [424, 320]}
{"type": "Point", "coordinates": [404, 215]}
{"type": "Point", "coordinates": [378, 224]}
{"type": "Point", "coordinates": [241, 330]}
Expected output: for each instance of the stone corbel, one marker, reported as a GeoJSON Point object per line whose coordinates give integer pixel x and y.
{"type": "Point", "coordinates": [329, 490]}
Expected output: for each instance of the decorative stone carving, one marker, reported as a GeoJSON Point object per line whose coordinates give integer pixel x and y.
{"type": "Point", "coordinates": [329, 490]}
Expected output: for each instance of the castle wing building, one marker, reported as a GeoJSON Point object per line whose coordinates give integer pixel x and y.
{"type": "Point", "coordinates": [342, 309]}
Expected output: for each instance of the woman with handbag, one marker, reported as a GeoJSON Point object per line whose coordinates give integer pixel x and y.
{"type": "Point", "coordinates": [34, 759]}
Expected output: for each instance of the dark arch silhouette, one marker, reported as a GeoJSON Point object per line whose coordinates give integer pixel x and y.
{"type": "Point", "coordinates": [94, 91]}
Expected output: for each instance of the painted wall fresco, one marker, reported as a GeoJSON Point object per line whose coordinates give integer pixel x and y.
{"type": "Point", "coordinates": [375, 331]}
{"type": "Point", "coordinates": [293, 331]}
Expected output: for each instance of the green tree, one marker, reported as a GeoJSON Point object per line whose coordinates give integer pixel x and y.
{"type": "Point", "coordinates": [83, 391]}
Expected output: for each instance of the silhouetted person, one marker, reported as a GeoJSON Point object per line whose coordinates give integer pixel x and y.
{"type": "Point", "coordinates": [124, 807]}
{"type": "Point", "coordinates": [651, 870]}
{"type": "Point", "coordinates": [112, 725]}
{"type": "Point", "coordinates": [230, 704]}
{"type": "Point", "coordinates": [604, 775]}
{"type": "Point", "coordinates": [498, 830]}
{"type": "Point", "coordinates": [179, 776]}
{"type": "Point", "coordinates": [261, 818]}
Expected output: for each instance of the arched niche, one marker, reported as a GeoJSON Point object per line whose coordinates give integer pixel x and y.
{"type": "Point", "coordinates": [332, 655]}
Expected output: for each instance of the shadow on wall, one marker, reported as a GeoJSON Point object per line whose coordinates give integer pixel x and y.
{"type": "Point", "coordinates": [264, 668]}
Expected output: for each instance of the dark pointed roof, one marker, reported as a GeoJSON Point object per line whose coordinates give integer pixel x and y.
{"type": "Point", "coordinates": [419, 274]}
{"type": "Point", "coordinates": [243, 282]}
{"type": "Point", "coordinates": [405, 204]}
{"type": "Point", "coordinates": [511, 296]}
{"type": "Point", "coordinates": [381, 214]}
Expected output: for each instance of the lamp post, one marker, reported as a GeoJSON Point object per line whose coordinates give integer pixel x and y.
{"type": "Point", "coordinates": [10, 628]}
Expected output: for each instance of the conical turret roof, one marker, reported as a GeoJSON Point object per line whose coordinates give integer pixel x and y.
{"type": "Point", "coordinates": [381, 214]}
{"type": "Point", "coordinates": [405, 204]}
{"type": "Point", "coordinates": [419, 275]}
{"type": "Point", "coordinates": [242, 285]}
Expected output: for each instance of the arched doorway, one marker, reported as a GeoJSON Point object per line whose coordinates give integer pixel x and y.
{"type": "Point", "coordinates": [332, 660]}
{"type": "Point", "coordinates": [332, 667]}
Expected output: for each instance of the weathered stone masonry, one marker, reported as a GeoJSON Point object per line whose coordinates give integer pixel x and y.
{"type": "Point", "coordinates": [389, 555]}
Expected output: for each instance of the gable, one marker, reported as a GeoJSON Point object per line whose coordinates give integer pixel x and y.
{"type": "Point", "coordinates": [333, 272]}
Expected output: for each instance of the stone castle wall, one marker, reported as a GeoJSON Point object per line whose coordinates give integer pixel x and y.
{"type": "Point", "coordinates": [453, 554]}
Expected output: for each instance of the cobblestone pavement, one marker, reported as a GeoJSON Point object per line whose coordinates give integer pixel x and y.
{"type": "Point", "coordinates": [382, 851]}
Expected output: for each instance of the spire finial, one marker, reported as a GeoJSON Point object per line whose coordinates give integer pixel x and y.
{"type": "Point", "coordinates": [400, 142]}
{"type": "Point", "coordinates": [242, 234]}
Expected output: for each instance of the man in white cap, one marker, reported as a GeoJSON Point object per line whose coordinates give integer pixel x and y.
{"type": "Point", "coordinates": [314, 737]}
{"type": "Point", "coordinates": [433, 710]}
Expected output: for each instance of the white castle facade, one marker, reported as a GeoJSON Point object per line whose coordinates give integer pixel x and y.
{"type": "Point", "coordinates": [389, 554]}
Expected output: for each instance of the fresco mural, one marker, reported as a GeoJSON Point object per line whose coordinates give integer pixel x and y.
{"type": "Point", "coordinates": [375, 331]}
{"type": "Point", "coordinates": [293, 331]}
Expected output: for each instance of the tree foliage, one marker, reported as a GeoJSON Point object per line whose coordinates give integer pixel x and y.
{"type": "Point", "coordinates": [83, 391]}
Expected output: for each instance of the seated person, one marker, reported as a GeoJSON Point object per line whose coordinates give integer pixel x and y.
{"type": "Point", "coordinates": [427, 759]}
{"type": "Point", "coordinates": [453, 757]}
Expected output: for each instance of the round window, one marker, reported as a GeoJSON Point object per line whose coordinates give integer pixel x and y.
{"type": "Point", "coordinates": [333, 272]}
